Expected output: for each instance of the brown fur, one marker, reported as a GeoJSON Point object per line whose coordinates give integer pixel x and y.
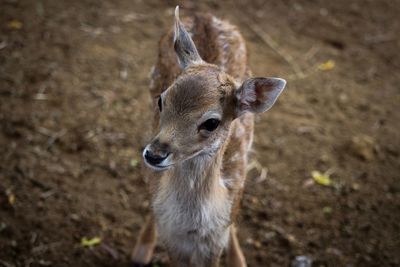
{"type": "Point", "coordinates": [191, 93]}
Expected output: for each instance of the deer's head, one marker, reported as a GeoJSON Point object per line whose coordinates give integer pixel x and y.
{"type": "Point", "coordinates": [197, 109]}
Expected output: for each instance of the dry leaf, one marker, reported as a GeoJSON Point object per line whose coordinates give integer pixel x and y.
{"type": "Point", "coordinates": [330, 64]}
{"type": "Point", "coordinates": [14, 24]}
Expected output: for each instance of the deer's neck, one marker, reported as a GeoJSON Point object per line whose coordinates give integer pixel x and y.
{"type": "Point", "coordinates": [193, 185]}
{"type": "Point", "coordinates": [199, 176]}
{"type": "Point", "coordinates": [192, 207]}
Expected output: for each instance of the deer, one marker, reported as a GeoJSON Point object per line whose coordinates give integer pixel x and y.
{"type": "Point", "coordinates": [204, 102]}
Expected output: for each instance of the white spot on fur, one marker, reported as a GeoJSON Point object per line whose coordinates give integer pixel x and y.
{"type": "Point", "coordinates": [240, 131]}
{"type": "Point", "coordinates": [221, 182]}
{"type": "Point", "coordinates": [215, 146]}
{"type": "Point", "coordinates": [236, 157]}
{"type": "Point", "coordinates": [228, 182]}
{"type": "Point", "coordinates": [152, 77]}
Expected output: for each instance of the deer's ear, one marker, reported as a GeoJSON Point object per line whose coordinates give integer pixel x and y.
{"type": "Point", "coordinates": [257, 95]}
{"type": "Point", "coordinates": [184, 47]}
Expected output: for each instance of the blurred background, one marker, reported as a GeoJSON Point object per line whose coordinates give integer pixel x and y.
{"type": "Point", "coordinates": [74, 114]}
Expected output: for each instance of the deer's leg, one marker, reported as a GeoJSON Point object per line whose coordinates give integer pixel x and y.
{"type": "Point", "coordinates": [143, 251]}
{"type": "Point", "coordinates": [235, 256]}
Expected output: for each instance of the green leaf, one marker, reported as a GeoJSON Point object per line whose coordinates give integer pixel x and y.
{"type": "Point", "coordinates": [90, 242]}
{"type": "Point", "coordinates": [327, 210]}
{"type": "Point", "coordinates": [134, 162]}
{"type": "Point", "coordinates": [321, 178]}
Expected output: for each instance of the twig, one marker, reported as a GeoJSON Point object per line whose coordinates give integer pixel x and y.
{"type": "Point", "coordinates": [29, 175]}
{"type": "Point", "coordinates": [39, 184]}
{"type": "Point", "coordinates": [255, 164]}
{"type": "Point", "coordinates": [44, 131]}
{"type": "Point", "coordinates": [291, 239]}
{"type": "Point", "coordinates": [263, 175]}
{"type": "Point", "coordinates": [273, 45]}
{"type": "Point", "coordinates": [124, 199]}
{"type": "Point", "coordinates": [308, 72]}
{"type": "Point", "coordinates": [114, 254]}
{"type": "Point", "coordinates": [52, 136]}
{"type": "Point", "coordinates": [311, 52]}
{"type": "Point", "coordinates": [45, 247]}
{"type": "Point", "coordinates": [377, 39]}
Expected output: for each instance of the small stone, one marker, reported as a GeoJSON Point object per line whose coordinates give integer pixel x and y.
{"type": "Point", "coordinates": [75, 217]}
{"type": "Point", "coordinates": [145, 204]}
{"type": "Point", "coordinates": [249, 241]}
{"type": "Point", "coordinates": [323, 12]}
{"type": "Point", "coordinates": [355, 186]}
{"type": "Point", "coordinates": [308, 183]}
{"type": "Point", "coordinates": [343, 98]}
{"type": "Point", "coordinates": [269, 235]}
{"type": "Point", "coordinates": [301, 261]}
{"type": "Point", "coordinates": [324, 158]}
{"type": "Point", "coordinates": [257, 244]}
{"type": "Point", "coordinates": [334, 251]}
{"type": "Point", "coordinates": [254, 200]}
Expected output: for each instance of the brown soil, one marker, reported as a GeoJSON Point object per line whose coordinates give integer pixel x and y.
{"type": "Point", "coordinates": [74, 113]}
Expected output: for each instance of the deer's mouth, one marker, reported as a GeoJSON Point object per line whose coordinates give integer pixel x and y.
{"type": "Point", "coordinates": [158, 167]}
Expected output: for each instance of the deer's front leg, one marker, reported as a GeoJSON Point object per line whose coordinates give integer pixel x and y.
{"type": "Point", "coordinates": [143, 251]}
{"type": "Point", "coordinates": [235, 256]}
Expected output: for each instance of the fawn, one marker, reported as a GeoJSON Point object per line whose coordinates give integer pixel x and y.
{"type": "Point", "coordinates": [204, 129]}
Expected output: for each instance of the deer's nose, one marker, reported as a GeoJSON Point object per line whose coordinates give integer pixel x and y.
{"type": "Point", "coordinates": [153, 158]}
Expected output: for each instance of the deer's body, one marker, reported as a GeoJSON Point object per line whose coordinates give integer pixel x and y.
{"type": "Point", "coordinates": [196, 195]}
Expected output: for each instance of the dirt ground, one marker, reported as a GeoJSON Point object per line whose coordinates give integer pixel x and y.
{"type": "Point", "coordinates": [74, 115]}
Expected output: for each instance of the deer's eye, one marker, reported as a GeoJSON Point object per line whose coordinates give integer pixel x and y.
{"type": "Point", "coordinates": [159, 104]}
{"type": "Point", "coordinates": [209, 125]}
